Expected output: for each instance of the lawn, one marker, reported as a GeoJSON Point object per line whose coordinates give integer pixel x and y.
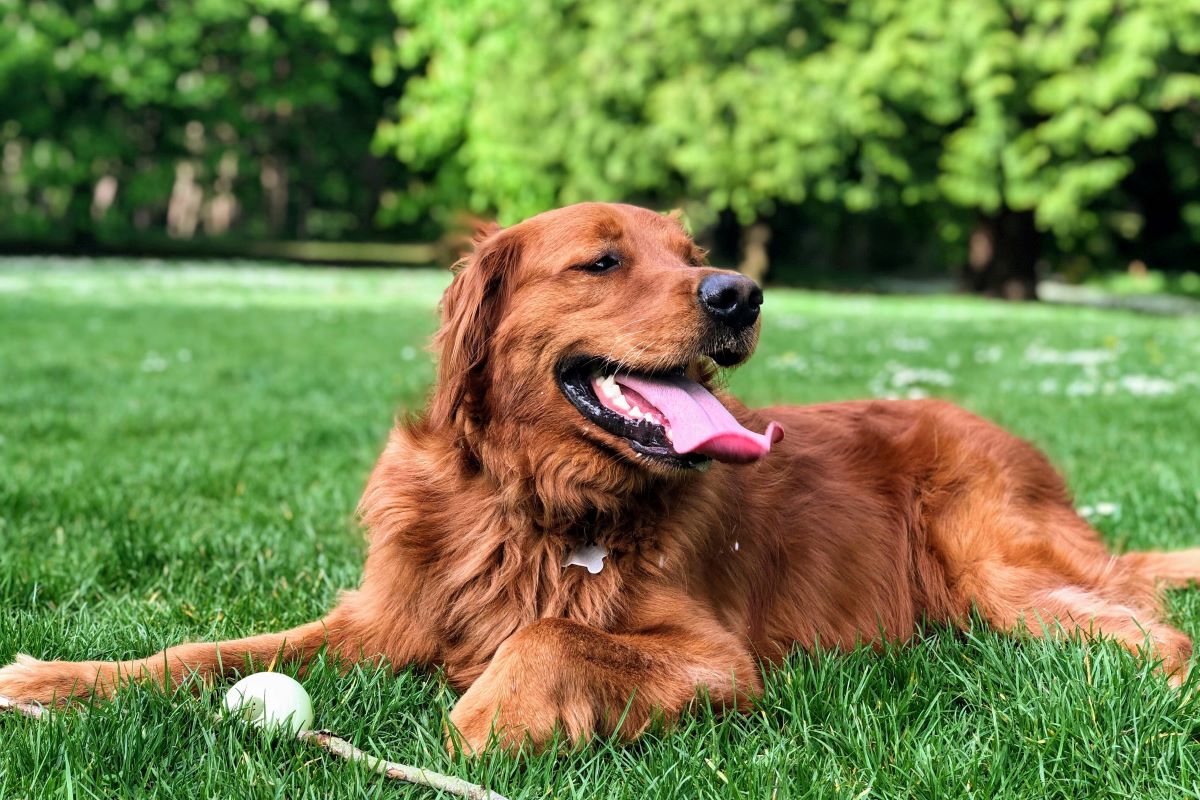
{"type": "Point", "coordinates": [181, 448]}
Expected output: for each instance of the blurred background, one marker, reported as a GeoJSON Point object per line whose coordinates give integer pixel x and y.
{"type": "Point", "coordinates": [841, 143]}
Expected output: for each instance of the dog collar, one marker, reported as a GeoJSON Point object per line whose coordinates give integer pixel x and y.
{"type": "Point", "coordinates": [589, 556]}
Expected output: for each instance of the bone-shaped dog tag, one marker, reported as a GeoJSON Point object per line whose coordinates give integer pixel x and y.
{"type": "Point", "coordinates": [589, 556]}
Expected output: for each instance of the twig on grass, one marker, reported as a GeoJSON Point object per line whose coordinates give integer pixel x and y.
{"type": "Point", "coordinates": [401, 772]}
{"type": "Point", "coordinates": [340, 748]}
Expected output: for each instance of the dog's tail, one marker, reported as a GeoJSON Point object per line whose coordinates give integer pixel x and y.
{"type": "Point", "coordinates": [1174, 569]}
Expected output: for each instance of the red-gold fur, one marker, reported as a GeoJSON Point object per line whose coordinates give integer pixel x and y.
{"type": "Point", "coordinates": [867, 518]}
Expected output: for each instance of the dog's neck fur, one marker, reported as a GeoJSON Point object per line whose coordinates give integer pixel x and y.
{"type": "Point", "coordinates": [555, 491]}
{"type": "Point", "coordinates": [536, 494]}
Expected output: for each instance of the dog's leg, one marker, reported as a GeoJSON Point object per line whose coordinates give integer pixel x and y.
{"type": "Point", "coordinates": [1042, 568]}
{"type": "Point", "coordinates": [1077, 587]}
{"type": "Point", "coordinates": [1173, 569]}
{"type": "Point", "coordinates": [1063, 609]}
{"type": "Point", "coordinates": [62, 681]}
{"type": "Point", "coordinates": [561, 674]}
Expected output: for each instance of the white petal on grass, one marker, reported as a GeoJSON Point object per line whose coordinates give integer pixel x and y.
{"type": "Point", "coordinates": [909, 344]}
{"type": "Point", "coordinates": [915, 376]}
{"type": "Point", "coordinates": [1037, 354]}
{"type": "Point", "coordinates": [1104, 509]}
{"type": "Point", "coordinates": [153, 362]}
{"type": "Point", "coordinates": [900, 380]}
{"type": "Point", "coordinates": [988, 355]}
{"type": "Point", "coordinates": [1148, 386]}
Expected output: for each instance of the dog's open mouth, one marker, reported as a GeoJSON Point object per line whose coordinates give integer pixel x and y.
{"type": "Point", "coordinates": [665, 416]}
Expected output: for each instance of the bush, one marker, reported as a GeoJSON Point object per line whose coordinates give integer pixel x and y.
{"type": "Point", "coordinates": [128, 119]}
{"type": "Point", "coordinates": [998, 121]}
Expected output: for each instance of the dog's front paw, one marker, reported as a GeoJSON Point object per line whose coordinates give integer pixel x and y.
{"type": "Point", "coordinates": [30, 680]}
{"type": "Point", "coordinates": [481, 720]}
{"type": "Point", "coordinates": [516, 706]}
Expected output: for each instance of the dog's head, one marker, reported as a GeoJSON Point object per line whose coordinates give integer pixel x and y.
{"type": "Point", "coordinates": [586, 338]}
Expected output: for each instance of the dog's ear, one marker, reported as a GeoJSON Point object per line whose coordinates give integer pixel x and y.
{"type": "Point", "coordinates": [471, 309]}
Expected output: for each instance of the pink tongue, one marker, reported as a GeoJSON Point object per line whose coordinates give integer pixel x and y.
{"type": "Point", "coordinates": [699, 423]}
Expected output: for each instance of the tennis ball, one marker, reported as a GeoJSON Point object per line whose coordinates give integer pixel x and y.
{"type": "Point", "coordinates": [271, 701]}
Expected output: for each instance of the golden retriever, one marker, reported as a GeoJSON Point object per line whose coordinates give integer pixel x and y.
{"type": "Point", "coordinates": [582, 529]}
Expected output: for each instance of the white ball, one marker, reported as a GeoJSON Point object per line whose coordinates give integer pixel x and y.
{"type": "Point", "coordinates": [272, 701]}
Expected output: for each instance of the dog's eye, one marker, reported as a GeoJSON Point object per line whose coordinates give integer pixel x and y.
{"type": "Point", "coordinates": [605, 263]}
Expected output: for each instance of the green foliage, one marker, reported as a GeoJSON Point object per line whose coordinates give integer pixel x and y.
{"type": "Point", "coordinates": [267, 106]}
{"type": "Point", "coordinates": [838, 123]}
{"type": "Point", "coordinates": [1055, 96]}
{"type": "Point", "coordinates": [952, 106]}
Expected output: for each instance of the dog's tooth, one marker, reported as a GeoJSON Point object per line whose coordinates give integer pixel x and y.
{"type": "Point", "coordinates": [635, 412]}
{"type": "Point", "coordinates": [619, 401]}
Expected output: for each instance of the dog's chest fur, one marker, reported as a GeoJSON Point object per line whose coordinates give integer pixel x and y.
{"type": "Point", "coordinates": [476, 579]}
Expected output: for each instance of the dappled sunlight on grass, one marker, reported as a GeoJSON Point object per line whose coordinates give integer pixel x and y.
{"type": "Point", "coordinates": [113, 282]}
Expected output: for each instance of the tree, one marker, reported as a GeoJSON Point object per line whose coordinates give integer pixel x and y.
{"type": "Point", "coordinates": [1052, 99]}
{"type": "Point", "coordinates": [1003, 120]}
{"type": "Point", "coordinates": [123, 118]}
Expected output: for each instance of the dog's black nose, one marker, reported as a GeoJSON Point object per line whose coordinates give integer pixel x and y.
{"type": "Point", "coordinates": [731, 299]}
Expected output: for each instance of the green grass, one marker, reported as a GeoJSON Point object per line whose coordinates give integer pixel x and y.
{"type": "Point", "coordinates": [181, 449]}
{"type": "Point", "coordinates": [1150, 282]}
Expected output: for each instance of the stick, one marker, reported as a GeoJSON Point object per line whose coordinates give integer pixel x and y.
{"type": "Point", "coordinates": [401, 772]}
{"type": "Point", "coordinates": [339, 747]}
{"type": "Point", "coordinates": [33, 710]}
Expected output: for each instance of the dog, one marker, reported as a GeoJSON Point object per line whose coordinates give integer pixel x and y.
{"type": "Point", "coordinates": [585, 533]}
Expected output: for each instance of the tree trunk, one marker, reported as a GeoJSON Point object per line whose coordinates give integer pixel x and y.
{"type": "Point", "coordinates": [1002, 256]}
{"type": "Point", "coordinates": [755, 260]}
